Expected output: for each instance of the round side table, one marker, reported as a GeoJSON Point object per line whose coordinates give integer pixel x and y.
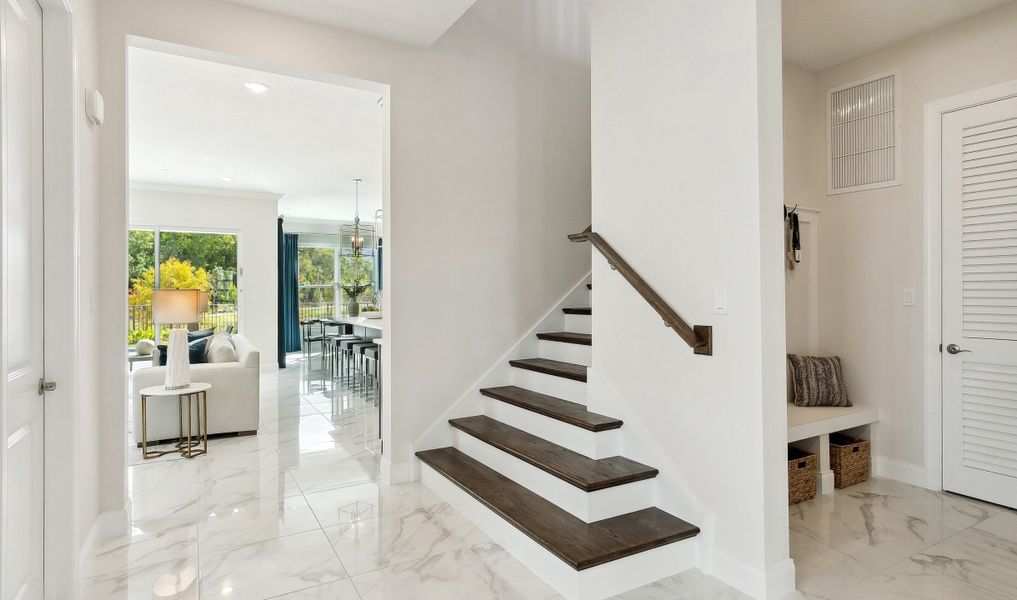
{"type": "Point", "coordinates": [186, 447]}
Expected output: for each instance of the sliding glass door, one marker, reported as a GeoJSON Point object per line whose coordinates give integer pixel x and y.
{"type": "Point", "coordinates": [187, 260]}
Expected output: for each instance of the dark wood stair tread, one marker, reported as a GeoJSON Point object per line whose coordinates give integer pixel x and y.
{"type": "Point", "coordinates": [581, 545]}
{"type": "Point", "coordinates": [568, 337]}
{"type": "Point", "coordinates": [572, 413]}
{"type": "Point", "coordinates": [571, 467]}
{"type": "Point", "coordinates": [552, 367]}
{"type": "Point", "coordinates": [578, 310]}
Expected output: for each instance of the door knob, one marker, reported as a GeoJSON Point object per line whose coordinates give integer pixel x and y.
{"type": "Point", "coordinates": [955, 349]}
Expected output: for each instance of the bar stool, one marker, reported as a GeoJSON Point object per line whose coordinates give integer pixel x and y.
{"type": "Point", "coordinates": [309, 338]}
{"type": "Point", "coordinates": [346, 354]}
{"type": "Point", "coordinates": [373, 354]}
{"type": "Point", "coordinates": [356, 354]}
{"type": "Point", "coordinates": [332, 350]}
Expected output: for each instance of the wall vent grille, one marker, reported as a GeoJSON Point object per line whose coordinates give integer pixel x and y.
{"type": "Point", "coordinates": [862, 136]}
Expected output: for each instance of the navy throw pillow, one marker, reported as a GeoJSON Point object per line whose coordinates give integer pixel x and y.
{"type": "Point", "coordinates": [195, 351]}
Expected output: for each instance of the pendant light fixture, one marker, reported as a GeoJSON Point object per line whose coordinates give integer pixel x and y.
{"type": "Point", "coordinates": [354, 238]}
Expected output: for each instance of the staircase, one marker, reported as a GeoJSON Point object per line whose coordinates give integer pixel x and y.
{"type": "Point", "coordinates": [540, 474]}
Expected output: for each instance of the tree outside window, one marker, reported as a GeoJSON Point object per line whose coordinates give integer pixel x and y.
{"type": "Point", "coordinates": [188, 260]}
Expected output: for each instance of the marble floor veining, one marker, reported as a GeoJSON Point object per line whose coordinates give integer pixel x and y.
{"type": "Point", "coordinates": [883, 539]}
{"type": "Point", "coordinates": [297, 512]}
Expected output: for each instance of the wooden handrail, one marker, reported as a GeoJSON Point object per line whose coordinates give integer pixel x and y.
{"type": "Point", "coordinates": [698, 337]}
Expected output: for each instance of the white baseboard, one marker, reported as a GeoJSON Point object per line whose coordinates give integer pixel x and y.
{"type": "Point", "coordinates": [775, 583]}
{"type": "Point", "coordinates": [825, 481]}
{"type": "Point", "coordinates": [901, 471]}
{"type": "Point", "coordinates": [396, 472]}
{"type": "Point", "coordinates": [107, 525]}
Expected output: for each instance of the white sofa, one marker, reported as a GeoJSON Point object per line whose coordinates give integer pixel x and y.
{"type": "Point", "coordinates": [233, 401]}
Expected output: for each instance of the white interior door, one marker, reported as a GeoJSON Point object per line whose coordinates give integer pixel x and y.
{"type": "Point", "coordinates": [21, 288]}
{"type": "Point", "coordinates": [979, 179]}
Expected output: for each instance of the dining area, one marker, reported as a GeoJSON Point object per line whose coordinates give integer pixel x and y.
{"type": "Point", "coordinates": [347, 350]}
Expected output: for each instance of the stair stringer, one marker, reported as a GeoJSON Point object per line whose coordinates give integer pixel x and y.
{"type": "Point", "coordinates": [472, 402]}
{"type": "Point", "coordinates": [672, 492]}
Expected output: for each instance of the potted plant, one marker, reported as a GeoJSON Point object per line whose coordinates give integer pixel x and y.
{"type": "Point", "coordinates": [353, 292]}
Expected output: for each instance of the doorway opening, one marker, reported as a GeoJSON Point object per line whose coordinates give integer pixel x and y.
{"type": "Point", "coordinates": [243, 184]}
{"type": "Point", "coordinates": [885, 206]}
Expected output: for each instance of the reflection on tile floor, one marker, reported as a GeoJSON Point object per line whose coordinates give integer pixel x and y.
{"type": "Point", "coordinates": [297, 513]}
{"type": "Point", "coordinates": [883, 539]}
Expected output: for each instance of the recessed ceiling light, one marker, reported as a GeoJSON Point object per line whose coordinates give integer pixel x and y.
{"type": "Point", "coordinates": [256, 87]}
{"type": "Point", "coordinates": [225, 178]}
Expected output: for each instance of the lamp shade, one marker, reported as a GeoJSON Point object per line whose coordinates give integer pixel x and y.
{"type": "Point", "coordinates": [178, 306]}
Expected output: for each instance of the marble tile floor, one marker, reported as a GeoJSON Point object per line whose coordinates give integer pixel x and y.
{"type": "Point", "coordinates": [883, 539]}
{"type": "Point", "coordinates": [297, 513]}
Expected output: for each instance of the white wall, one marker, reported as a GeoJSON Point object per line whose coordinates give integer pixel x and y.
{"type": "Point", "coordinates": [89, 326]}
{"type": "Point", "coordinates": [72, 280]}
{"type": "Point", "coordinates": [871, 243]}
{"type": "Point", "coordinates": [253, 218]}
{"type": "Point", "coordinates": [489, 171]}
{"type": "Point", "coordinates": [687, 187]}
{"type": "Point", "coordinates": [801, 178]}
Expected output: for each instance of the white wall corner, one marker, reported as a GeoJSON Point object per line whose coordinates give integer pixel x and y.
{"type": "Point", "coordinates": [472, 402]}
{"type": "Point", "coordinates": [906, 472]}
{"type": "Point", "coordinates": [108, 525]}
{"type": "Point", "coordinates": [396, 472]}
{"type": "Point", "coordinates": [775, 583]}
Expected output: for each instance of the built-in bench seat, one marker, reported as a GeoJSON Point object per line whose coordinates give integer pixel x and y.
{"type": "Point", "coordinates": [809, 428]}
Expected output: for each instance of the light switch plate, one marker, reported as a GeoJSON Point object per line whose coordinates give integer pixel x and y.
{"type": "Point", "coordinates": [720, 301]}
{"type": "Point", "coordinates": [909, 296]}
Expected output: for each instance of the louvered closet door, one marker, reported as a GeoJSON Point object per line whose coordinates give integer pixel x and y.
{"type": "Point", "coordinates": [979, 177]}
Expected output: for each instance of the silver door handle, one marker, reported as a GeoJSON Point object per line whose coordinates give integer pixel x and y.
{"type": "Point", "coordinates": [955, 349]}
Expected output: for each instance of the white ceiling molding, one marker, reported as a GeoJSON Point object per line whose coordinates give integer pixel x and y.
{"type": "Point", "coordinates": [203, 191]}
{"type": "Point", "coordinates": [819, 35]}
{"type": "Point", "coordinates": [413, 22]}
{"type": "Point", "coordinates": [193, 123]}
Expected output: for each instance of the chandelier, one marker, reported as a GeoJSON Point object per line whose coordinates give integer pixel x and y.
{"type": "Point", "coordinates": [353, 239]}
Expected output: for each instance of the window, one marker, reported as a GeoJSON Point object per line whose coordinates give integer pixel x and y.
{"type": "Point", "coordinates": [187, 260]}
{"type": "Point", "coordinates": [324, 279]}
{"type": "Point", "coordinates": [316, 276]}
{"type": "Point", "coordinates": [862, 135]}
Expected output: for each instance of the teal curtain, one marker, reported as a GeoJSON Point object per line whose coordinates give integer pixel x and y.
{"type": "Point", "coordinates": [289, 315]}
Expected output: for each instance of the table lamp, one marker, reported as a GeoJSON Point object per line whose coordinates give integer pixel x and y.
{"type": "Point", "coordinates": [177, 307]}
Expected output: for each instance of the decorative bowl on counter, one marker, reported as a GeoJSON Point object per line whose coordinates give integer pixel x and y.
{"type": "Point", "coordinates": [371, 314]}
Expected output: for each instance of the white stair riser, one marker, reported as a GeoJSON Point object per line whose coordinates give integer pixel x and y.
{"type": "Point", "coordinates": [579, 323]}
{"type": "Point", "coordinates": [595, 583]}
{"type": "Point", "coordinates": [573, 353]}
{"type": "Point", "coordinates": [552, 385]}
{"type": "Point", "coordinates": [594, 444]}
{"type": "Point", "coordinates": [588, 506]}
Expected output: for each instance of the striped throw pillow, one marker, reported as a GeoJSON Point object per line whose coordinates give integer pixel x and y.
{"type": "Point", "coordinates": [818, 381]}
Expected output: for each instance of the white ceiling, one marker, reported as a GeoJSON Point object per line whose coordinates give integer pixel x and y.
{"type": "Point", "coordinates": [192, 123]}
{"type": "Point", "coordinates": [819, 34]}
{"type": "Point", "coordinates": [414, 22]}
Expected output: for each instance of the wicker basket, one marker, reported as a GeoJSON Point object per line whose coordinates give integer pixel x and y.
{"type": "Point", "coordinates": [801, 475]}
{"type": "Point", "coordinates": [849, 459]}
